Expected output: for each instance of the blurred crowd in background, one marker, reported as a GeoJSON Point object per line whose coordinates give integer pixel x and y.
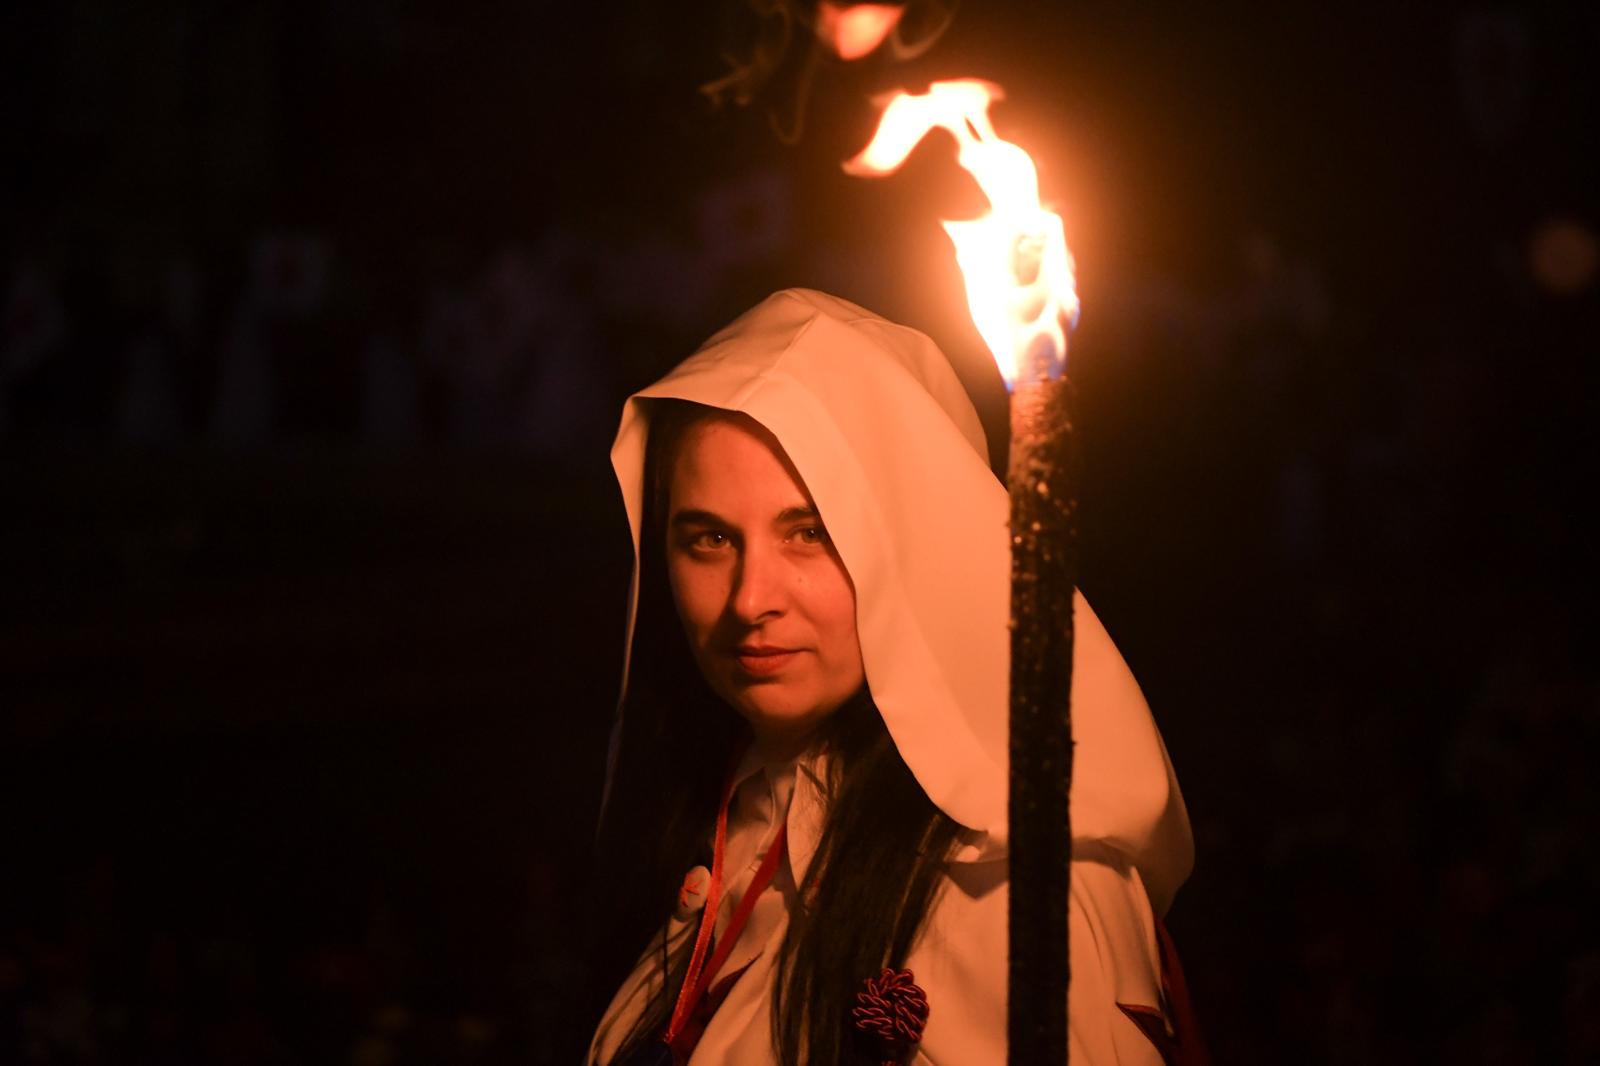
{"type": "Point", "coordinates": [316, 324]}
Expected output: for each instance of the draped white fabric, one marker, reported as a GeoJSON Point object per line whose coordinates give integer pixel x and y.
{"type": "Point", "coordinates": [892, 452]}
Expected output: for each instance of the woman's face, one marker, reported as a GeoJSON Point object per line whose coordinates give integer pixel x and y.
{"type": "Point", "coordinates": [764, 599]}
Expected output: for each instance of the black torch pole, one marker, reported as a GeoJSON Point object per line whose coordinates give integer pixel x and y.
{"type": "Point", "coordinates": [1040, 477]}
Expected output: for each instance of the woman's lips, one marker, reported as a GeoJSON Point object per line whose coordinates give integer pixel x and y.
{"type": "Point", "coordinates": [763, 662]}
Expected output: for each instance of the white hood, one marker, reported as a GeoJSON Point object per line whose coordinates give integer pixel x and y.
{"type": "Point", "coordinates": [892, 452]}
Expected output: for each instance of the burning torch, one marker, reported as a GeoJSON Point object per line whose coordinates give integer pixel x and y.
{"type": "Point", "coordinates": [1022, 295]}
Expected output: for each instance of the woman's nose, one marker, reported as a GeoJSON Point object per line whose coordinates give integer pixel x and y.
{"type": "Point", "coordinates": [759, 585]}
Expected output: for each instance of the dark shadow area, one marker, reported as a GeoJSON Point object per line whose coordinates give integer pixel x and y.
{"type": "Point", "coordinates": [316, 324]}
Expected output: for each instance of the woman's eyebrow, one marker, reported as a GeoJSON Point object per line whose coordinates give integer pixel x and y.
{"type": "Point", "coordinates": [697, 518]}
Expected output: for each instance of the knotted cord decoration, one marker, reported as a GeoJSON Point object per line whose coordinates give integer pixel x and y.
{"type": "Point", "coordinates": [891, 1011]}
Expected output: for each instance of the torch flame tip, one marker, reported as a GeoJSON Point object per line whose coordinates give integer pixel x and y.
{"type": "Point", "coordinates": [1017, 311]}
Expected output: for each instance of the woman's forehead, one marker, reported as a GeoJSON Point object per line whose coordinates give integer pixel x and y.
{"type": "Point", "coordinates": [729, 457]}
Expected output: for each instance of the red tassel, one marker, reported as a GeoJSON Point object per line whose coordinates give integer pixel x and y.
{"type": "Point", "coordinates": [891, 1011]}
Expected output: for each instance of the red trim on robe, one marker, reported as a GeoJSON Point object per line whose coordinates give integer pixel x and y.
{"type": "Point", "coordinates": [1178, 1040]}
{"type": "Point", "coordinates": [695, 1026]}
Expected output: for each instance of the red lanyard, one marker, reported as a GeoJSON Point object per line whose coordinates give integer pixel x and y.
{"type": "Point", "coordinates": [700, 973]}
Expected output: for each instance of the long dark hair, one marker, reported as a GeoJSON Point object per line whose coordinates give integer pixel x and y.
{"type": "Point", "coordinates": [877, 868]}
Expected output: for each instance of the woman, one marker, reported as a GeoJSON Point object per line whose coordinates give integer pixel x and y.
{"type": "Point", "coordinates": [813, 725]}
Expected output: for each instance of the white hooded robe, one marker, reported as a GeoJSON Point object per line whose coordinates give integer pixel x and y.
{"type": "Point", "coordinates": [892, 452]}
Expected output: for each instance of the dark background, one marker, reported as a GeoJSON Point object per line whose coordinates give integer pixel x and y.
{"type": "Point", "coordinates": [317, 320]}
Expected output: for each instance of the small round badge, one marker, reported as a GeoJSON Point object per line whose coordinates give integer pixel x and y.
{"type": "Point", "coordinates": [692, 894]}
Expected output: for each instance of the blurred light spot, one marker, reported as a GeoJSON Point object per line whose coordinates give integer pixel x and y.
{"type": "Point", "coordinates": [1562, 256]}
{"type": "Point", "coordinates": [474, 1030]}
{"type": "Point", "coordinates": [856, 30]}
{"type": "Point", "coordinates": [393, 1018]}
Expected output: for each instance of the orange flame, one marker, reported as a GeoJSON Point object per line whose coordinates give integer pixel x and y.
{"type": "Point", "coordinates": [856, 30]}
{"type": "Point", "coordinates": [1018, 272]}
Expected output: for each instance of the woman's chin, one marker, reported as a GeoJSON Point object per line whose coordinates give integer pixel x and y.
{"type": "Point", "coordinates": [781, 733]}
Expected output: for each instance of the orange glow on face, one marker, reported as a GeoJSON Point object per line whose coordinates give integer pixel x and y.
{"type": "Point", "coordinates": [856, 30]}
{"type": "Point", "coordinates": [1014, 260]}
{"type": "Point", "coordinates": [766, 603]}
